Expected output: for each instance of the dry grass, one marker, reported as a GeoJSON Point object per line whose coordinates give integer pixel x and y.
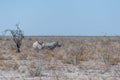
{"type": "Point", "coordinates": [6, 64]}
{"type": "Point", "coordinates": [74, 50]}
{"type": "Point", "coordinates": [82, 49]}
{"type": "Point", "coordinates": [114, 61]}
{"type": "Point", "coordinates": [58, 56]}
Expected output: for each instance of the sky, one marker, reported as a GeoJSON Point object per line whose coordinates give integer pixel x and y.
{"type": "Point", "coordinates": [61, 17]}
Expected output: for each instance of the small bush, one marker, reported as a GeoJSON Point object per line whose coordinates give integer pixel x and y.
{"type": "Point", "coordinates": [58, 56]}
{"type": "Point", "coordinates": [114, 61]}
{"type": "Point", "coordinates": [67, 60]}
{"type": "Point", "coordinates": [22, 56]}
{"type": "Point", "coordinates": [33, 65]}
{"type": "Point", "coordinates": [81, 57]}
{"type": "Point", "coordinates": [35, 71]}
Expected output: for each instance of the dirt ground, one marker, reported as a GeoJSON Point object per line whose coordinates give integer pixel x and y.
{"type": "Point", "coordinates": [78, 58]}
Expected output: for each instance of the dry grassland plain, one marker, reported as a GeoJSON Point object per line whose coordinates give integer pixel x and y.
{"type": "Point", "coordinates": [78, 58]}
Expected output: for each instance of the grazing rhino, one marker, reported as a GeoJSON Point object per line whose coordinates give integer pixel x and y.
{"type": "Point", "coordinates": [50, 45]}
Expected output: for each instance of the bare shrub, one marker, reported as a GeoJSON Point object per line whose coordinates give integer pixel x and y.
{"type": "Point", "coordinates": [17, 36]}
{"type": "Point", "coordinates": [83, 54]}
{"type": "Point", "coordinates": [75, 54]}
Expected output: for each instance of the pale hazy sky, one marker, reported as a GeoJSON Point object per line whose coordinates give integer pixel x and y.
{"type": "Point", "coordinates": [61, 17]}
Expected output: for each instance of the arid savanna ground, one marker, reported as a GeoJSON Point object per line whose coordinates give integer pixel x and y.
{"type": "Point", "coordinates": [78, 58]}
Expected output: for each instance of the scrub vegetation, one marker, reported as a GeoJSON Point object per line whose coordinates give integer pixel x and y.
{"type": "Point", "coordinates": [78, 58]}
